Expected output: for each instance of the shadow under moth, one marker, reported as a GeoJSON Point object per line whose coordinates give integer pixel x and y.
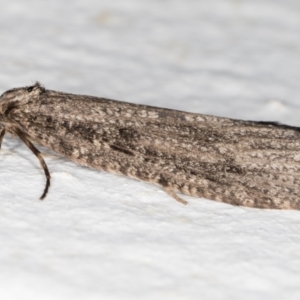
{"type": "Point", "coordinates": [254, 164]}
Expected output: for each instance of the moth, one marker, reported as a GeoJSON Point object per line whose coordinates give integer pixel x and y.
{"type": "Point", "coordinates": [254, 164]}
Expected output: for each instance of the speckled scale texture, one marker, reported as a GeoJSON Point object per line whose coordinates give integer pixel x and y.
{"type": "Point", "coordinates": [255, 164]}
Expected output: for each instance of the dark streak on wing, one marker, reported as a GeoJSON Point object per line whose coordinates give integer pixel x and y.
{"type": "Point", "coordinates": [122, 150]}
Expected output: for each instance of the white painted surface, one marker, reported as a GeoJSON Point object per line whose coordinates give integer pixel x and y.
{"type": "Point", "coordinates": [100, 236]}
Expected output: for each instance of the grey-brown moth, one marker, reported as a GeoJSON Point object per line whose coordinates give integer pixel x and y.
{"type": "Point", "coordinates": [255, 164]}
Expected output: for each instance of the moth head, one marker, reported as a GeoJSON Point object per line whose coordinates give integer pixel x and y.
{"type": "Point", "coordinates": [17, 97]}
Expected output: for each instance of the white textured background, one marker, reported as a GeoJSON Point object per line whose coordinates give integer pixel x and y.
{"type": "Point", "coordinates": [100, 236]}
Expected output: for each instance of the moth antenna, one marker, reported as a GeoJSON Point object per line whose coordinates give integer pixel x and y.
{"type": "Point", "coordinates": [38, 154]}
{"type": "Point", "coordinates": [2, 133]}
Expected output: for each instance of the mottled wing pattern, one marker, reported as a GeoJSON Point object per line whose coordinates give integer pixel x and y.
{"type": "Point", "coordinates": [246, 163]}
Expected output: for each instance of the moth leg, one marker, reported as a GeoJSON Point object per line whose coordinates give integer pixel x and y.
{"type": "Point", "coordinates": [169, 191]}
{"type": "Point", "coordinates": [38, 154]}
{"type": "Point", "coordinates": [2, 133]}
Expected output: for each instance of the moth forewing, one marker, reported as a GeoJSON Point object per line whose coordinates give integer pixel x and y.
{"type": "Point", "coordinates": [247, 163]}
